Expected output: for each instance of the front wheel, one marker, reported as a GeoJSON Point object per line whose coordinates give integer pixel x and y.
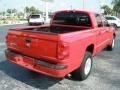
{"type": "Point", "coordinates": [84, 70]}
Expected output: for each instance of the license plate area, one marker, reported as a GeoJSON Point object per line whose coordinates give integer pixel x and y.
{"type": "Point", "coordinates": [29, 61]}
{"type": "Point", "coordinates": [23, 60]}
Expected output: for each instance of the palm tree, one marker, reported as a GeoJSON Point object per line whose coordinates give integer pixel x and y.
{"type": "Point", "coordinates": [107, 9]}
{"type": "Point", "coordinates": [9, 11]}
{"type": "Point", "coordinates": [116, 6]}
{"type": "Point", "coordinates": [14, 11]}
{"type": "Point", "coordinates": [116, 2]}
{"type": "Point", "coordinates": [27, 10]}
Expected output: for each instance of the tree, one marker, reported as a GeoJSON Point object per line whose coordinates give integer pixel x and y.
{"type": "Point", "coordinates": [107, 9]}
{"type": "Point", "coordinates": [14, 10]}
{"type": "Point", "coordinates": [9, 11]}
{"type": "Point", "coordinates": [3, 13]}
{"type": "Point", "coordinates": [20, 14]}
{"type": "Point", "coordinates": [116, 6]}
{"type": "Point", "coordinates": [27, 10]}
{"type": "Point", "coordinates": [32, 10]}
{"type": "Point", "coordinates": [116, 2]}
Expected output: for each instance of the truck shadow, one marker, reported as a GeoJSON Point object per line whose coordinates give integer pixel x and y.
{"type": "Point", "coordinates": [28, 77]}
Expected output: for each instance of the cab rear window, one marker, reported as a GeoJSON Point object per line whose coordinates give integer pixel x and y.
{"type": "Point", "coordinates": [72, 18]}
{"type": "Point", "coordinates": [35, 16]}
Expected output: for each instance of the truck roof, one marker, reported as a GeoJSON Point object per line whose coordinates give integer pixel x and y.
{"type": "Point", "coordinates": [88, 12]}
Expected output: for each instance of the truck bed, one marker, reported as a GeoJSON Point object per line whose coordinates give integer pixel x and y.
{"type": "Point", "coordinates": [55, 29]}
{"type": "Point", "coordinates": [37, 40]}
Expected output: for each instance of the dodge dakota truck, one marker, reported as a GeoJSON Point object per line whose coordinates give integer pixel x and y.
{"type": "Point", "coordinates": [66, 46]}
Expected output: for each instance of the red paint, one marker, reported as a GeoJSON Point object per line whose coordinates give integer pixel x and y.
{"type": "Point", "coordinates": [59, 49]}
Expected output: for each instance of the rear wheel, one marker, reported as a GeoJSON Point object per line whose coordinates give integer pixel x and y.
{"type": "Point", "coordinates": [30, 24]}
{"type": "Point", "coordinates": [84, 70]}
{"type": "Point", "coordinates": [115, 26]}
{"type": "Point", "coordinates": [111, 47]}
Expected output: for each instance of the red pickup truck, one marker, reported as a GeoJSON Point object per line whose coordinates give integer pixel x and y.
{"type": "Point", "coordinates": [66, 46]}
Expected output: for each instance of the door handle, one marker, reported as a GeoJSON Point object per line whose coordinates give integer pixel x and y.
{"type": "Point", "coordinates": [107, 31]}
{"type": "Point", "coordinates": [28, 40]}
{"type": "Point", "coordinates": [99, 33]}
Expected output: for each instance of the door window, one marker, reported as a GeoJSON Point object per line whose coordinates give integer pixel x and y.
{"type": "Point", "coordinates": [99, 20]}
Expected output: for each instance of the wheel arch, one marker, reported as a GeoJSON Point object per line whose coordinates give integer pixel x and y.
{"type": "Point", "coordinates": [114, 35]}
{"type": "Point", "coordinates": [90, 48]}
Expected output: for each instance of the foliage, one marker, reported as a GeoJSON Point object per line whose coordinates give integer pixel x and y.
{"type": "Point", "coordinates": [107, 9]}
{"type": "Point", "coordinates": [11, 15]}
{"type": "Point", "coordinates": [9, 11]}
{"type": "Point", "coordinates": [32, 10]}
{"type": "Point", "coordinates": [116, 6]}
{"type": "Point", "coordinates": [20, 14]}
{"type": "Point", "coordinates": [2, 13]}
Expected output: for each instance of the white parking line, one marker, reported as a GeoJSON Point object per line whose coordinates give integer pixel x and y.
{"type": "Point", "coordinates": [2, 44]}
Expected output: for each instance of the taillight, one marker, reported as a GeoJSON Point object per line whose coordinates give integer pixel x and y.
{"type": "Point", "coordinates": [63, 50]}
{"type": "Point", "coordinates": [6, 38]}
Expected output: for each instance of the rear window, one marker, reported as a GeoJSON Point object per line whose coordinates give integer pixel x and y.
{"type": "Point", "coordinates": [72, 18]}
{"type": "Point", "coordinates": [35, 16]}
{"type": "Point", "coordinates": [110, 18]}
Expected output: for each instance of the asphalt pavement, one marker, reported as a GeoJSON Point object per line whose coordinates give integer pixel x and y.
{"type": "Point", "coordinates": [105, 74]}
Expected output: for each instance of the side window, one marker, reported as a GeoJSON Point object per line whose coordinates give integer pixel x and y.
{"type": "Point", "coordinates": [99, 20]}
{"type": "Point", "coordinates": [83, 20]}
{"type": "Point", "coordinates": [106, 23]}
{"type": "Point", "coordinates": [110, 18]}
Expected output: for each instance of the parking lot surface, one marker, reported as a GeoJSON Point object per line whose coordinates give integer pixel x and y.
{"type": "Point", "coordinates": [105, 74]}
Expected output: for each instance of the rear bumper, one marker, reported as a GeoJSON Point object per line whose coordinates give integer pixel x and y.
{"type": "Point", "coordinates": [36, 23]}
{"type": "Point", "coordinates": [50, 69]}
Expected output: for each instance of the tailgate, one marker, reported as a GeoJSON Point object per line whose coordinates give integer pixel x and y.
{"type": "Point", "coordinates": [35, 45]}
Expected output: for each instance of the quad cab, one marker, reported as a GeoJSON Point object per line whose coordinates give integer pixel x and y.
{"type": "Point", "coordinates": [65, 46]}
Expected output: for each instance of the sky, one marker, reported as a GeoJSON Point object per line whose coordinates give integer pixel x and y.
{"type": "Point", "coordinates": [89, 5]}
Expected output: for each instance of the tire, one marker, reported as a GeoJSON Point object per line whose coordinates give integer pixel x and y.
{"type": "Point", "coordinates": [111, 47]}
{"type": "Point", "coordinates": [30, 24]}
{"type": "Point", "coordinates": [115, 26]}
{"type": "Point", "coordinates": [84, 70]}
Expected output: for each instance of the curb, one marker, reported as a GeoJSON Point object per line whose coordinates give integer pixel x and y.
{"type": "Point", "coordinates": [13, 24]}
